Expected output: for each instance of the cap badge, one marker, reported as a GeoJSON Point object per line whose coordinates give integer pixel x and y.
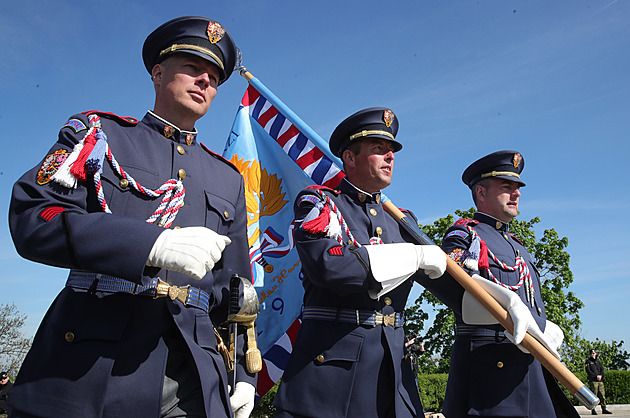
{"type": "Point", "coordinates": [215, 32]}
{"type": "Point", "coordinates": [168, 131]}
{"type": "Point", "coordinates": [517, 159]}
{"type": "Point", "coordinates": [388, 117]}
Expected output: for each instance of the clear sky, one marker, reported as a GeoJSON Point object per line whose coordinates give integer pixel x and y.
{"type": "Point", "coordinates": [550, 79]}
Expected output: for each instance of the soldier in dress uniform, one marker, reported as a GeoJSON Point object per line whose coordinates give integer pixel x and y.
{"type": "Point", "coordinates": [348, 358]}
{"type": "Point", "coordinates": [489, 375]}
{"type": "Point", "coordinates": [152, 226]}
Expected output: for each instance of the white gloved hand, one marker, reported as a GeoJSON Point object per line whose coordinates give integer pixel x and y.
{"type": "Point", "coordinates": [193, 250]}
{"type": "Point", "coordinates": [242, 400]}
{"type": "Point", "coordinates": [474, 313]}
{"type": "Point", "coordinates": [391, 265]}
{"type": "Point", "coordinates": [431, 259]}
{"type": "Point", "coordinates": [552, 338]}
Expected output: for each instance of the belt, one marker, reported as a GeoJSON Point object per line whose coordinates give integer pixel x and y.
{"type": "Point", "coordinates": [157, 288]}
{"type": "Point", "coordinates": [474, 331]}
{"type": "Point", "coordinates": [353, 316]}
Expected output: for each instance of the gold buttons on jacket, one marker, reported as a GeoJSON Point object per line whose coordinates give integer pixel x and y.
{"type": "Point", "coordinates": [226, 214]}
{"type": "Point", "coordinates": [124, 183]}
{"type": "Point", "coordinates": [373, 212]}
{"type": "Point", "coordinates": [181, 150]}
{"type": "Point", "coordinates": [350, 242]}
{"type": "Point", "coordinates": [387, 301]}
{"type": "Point", "coordinates": [69, 336]}
{"type": "Point", "coordinates": [379, 230]}
{"type": "Point", "coordinates": [320, 358]}
{"type": "Point", "coordinates": [500, 364]}
{"type": "Point", "coordinates": [181, 174]}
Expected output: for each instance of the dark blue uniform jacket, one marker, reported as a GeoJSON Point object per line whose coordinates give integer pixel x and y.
{"type": "Point", "coordinates": [490, 376]}
{"type": "Point", "coordinates": [340, 369]}
{"type": "Point", "coordinates": [103, 354]}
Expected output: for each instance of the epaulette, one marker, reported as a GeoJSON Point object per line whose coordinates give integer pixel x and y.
{"type": "Point", "coordinates": [317, 187]}
{"type": "Point", "coordinates": [465, 222]}
{"type": "Point", "coordinates": [219, 157]}
{"type": "Point", "coordinates": [123, 120]}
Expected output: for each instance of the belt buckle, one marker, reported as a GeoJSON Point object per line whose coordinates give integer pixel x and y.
{"type": "Point", "coordinates": [385, 320]}
{"type": "Point", "coordinates": [164, 289]}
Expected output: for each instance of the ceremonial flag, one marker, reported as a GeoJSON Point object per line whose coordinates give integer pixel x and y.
{"type": "Point", "coordinates": [278, 156]}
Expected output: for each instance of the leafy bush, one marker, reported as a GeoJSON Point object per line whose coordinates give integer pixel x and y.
{"type": "Point", "coordinates": [264, 408]}
{"type": "Point", "coordinates": [616, 385]}
{"type": "Point", "coordinates": [432, 390]}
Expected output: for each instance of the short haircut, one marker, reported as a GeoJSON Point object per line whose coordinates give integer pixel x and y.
{"type": "Point", "coordinates": [485, 183]}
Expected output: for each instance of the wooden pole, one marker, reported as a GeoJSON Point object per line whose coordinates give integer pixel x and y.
{"type": "Point", "coordinates": [531, 344]}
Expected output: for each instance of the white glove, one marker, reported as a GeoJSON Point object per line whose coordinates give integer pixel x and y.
{"type": "Point", "coordinates": [552, 338]}
{"type": "Point", "coordinates": [474, 313]}
{"type": "Point", "coordinates": [193, 250]}
{"type": "Point", "coordinates": [431, 259]}
{"type": "Point", "coordinates": [392, 264]}
{"type": "Point", "coordinates": [242, 400]}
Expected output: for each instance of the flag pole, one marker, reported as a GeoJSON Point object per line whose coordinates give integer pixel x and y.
{"type": "Point", "coordinates": [531, 344]}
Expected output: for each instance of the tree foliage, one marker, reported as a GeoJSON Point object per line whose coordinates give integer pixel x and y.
{"type": "Point", "coordinates": [562, 306]}
{"type": "Point", "coordinates": [13, 344]}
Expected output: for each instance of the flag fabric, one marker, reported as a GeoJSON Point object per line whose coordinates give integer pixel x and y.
{"type": "Point", "coordinates": [278, 155]}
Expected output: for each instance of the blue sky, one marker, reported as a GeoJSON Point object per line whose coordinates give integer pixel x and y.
{"type": "Point", "coordinates": [466, 78]}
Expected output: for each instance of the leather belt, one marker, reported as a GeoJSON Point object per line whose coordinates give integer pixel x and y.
{"type": "Point", "coordinates": [474, 331]}
{"type": "Point", "coordinates": [353, 316]}
{"type": "Point", "coordinates": [157, 288]}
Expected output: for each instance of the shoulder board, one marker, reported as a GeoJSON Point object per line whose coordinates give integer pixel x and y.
{"type": "Point", "coordinates": [465, 222]}
{"type": "Point", "coordinates": [122, 120]}
{"type": "Point", "coordinates": [516, 239]}
{"type": "Point", "coordinates": [219, 157]}
{"type": "Point", "coordinates": [323, 189]}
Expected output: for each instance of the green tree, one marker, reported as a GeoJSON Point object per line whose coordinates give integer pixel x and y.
{"type": "Point", "coordinates": [562, 306]}
{"type": "Point", "coordinates": [13, 344]}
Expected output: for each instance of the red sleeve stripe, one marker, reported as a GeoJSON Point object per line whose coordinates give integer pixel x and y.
{"type": "Point", "coordinates": [335, 251]}
{"type": "Point", "coordinates": [49, 213]}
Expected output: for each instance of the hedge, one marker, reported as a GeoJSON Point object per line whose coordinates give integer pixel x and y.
{"type": "Point", "coordinates": [433, 388]}
{"type": "Point", "coordinates": [616, 385]}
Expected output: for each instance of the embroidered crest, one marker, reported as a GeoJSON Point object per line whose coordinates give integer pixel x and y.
{"type": "Point", "coordinates": [75, 124]}
{"type": "Point", "coordinates": [50, 166]}
{"type": "Point", "coordinates": [388, 117]}
{"type": "Point", "coordinates": [459, 255]}
{"type": "Point", "coordinates": [516, 160]}
{"type": "Point", "coordinates": [215, 32]}
{"type": "Point", "coordinates": [189, 139]}
{"type": "Point", "coordinates": [168, 131]}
